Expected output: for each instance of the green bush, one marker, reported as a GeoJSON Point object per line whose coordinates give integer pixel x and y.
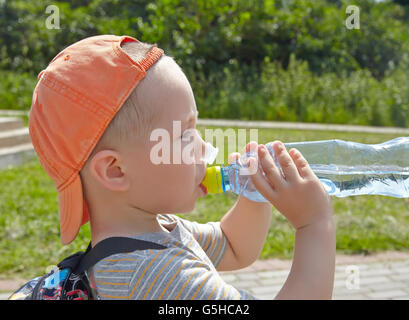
{"type": "Point", "coordinates": [16, 90]}
{"type": "Point", "coordinates": [261, 59]}
{"type": "Point", "coordinates": [205, 35]}
{"type": "Point", "coordinates": [297, 94]}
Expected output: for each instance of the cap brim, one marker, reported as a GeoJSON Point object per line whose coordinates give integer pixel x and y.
{"type": "Point", "coordinates": [72, 208]}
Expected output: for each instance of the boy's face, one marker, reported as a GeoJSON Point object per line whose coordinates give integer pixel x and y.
{"type": "Point", "coordinates": [173, 186]}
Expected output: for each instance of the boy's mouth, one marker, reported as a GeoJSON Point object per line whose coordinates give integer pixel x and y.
{"type": "Point", "coordinates": [203, 189]}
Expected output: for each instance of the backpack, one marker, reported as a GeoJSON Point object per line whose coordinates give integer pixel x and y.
{"type": "Point", "coordinates": [70, 279]}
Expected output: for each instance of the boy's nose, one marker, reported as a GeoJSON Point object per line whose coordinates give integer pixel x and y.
{"type": "Point", "coordinates": [207, 153]}
{"type": "Point", "coordinates": [201, 150]}
{"type": "Point", "coordinates": [210, 153]}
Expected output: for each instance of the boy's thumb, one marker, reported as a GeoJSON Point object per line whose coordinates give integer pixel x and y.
{"type": "Point", "coordinates": [233, 157]}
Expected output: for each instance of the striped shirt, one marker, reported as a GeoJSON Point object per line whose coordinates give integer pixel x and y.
{"type": "Point", "coordinates": [186, 269]}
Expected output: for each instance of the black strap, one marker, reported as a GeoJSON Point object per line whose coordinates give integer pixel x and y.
{"type": "Point", "coordinates": [71, 261]}
{"type": "Point", "coordinates": [111, 246]}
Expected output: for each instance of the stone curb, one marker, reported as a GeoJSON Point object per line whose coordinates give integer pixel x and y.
{"type": "Point", "coordinates": [300, 126]}
{"type": "Point", "coordinates": [382, 276]}
{"type": "Point", "coordinates": [271, 124]}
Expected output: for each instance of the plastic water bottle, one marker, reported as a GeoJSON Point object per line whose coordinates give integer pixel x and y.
{"type": "Point", "coordinates": [345, 168]}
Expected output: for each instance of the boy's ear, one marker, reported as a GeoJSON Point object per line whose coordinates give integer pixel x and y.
{"type": "Point", "coordinates": [107, 168]}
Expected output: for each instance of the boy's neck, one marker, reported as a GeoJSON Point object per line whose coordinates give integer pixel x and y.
{"type": "Point", "coordinates": [125, 224]}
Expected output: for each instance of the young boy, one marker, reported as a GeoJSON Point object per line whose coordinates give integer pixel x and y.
{"type": "Point", "coordinates": [94, 110]}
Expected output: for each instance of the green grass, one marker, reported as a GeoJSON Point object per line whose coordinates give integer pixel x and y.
{"type": "Point", "coordinates": [29, 225]}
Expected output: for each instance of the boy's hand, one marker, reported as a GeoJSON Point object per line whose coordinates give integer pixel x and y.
{"type": "Point", "coordinates": [299, 196]}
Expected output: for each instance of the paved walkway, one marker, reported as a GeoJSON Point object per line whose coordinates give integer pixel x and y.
{"type": "Point", "coordinates": [381, 276]}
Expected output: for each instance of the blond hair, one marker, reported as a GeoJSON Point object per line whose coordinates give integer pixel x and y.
{"type": "Point", "coordinates": [135, 117]}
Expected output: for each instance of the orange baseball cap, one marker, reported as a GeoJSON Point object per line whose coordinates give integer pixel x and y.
{"type": "Point", "coordinates": [76, 97]}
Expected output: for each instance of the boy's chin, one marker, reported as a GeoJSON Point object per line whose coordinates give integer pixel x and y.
{"type": "Point", "coordinates": [189, 207]}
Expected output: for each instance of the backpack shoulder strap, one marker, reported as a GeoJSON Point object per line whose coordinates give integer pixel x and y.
{"type": "Point", "coordinates": [111, 246]}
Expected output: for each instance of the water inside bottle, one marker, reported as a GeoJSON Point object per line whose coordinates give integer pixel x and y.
{"type": "Point", "coordinates": [344, 181]}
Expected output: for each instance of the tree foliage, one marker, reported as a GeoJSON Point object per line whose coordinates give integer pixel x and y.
{"type": "Point", "coordinates": [216, 39]}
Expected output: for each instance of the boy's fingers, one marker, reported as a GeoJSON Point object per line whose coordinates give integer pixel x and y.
{"type": "Point", "coordinates": [251, 168]}
{"type": "Point", "coordinates": [301, 163]}
{"type": "Point", "coordinates": [252, 145]}
{"type": "Point", "coordinates": [233, 157]}
{"type": "Point", "coordinates": [286, 162]}
{"type": "Point", "coordinates": [272, 173]}
{"type": "Point", "coordinates": [262, 184]}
